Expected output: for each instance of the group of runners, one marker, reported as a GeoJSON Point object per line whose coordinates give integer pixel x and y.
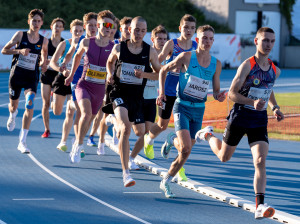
{"type": "Point", "coordinates": [120, 81]}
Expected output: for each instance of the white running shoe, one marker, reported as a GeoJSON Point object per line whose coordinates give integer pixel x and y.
{"type": "Point", "coordinates": [62, 146]}
{"type": "Point", "coordinates": [75, 154]}
{"type": "Point", "coordinates": [132, 165]}
{"type": "Point", "coordinates": [11, 122]}
{"type": "Point", "coordinates": [108, 120]}
{"type": "Point", "coordinates": [264, 211]}
{"type": "Point", "coordinates": [201, 134]}
{"type": "Point", "coordinates": [128, 181]}
{"type": "Point", "coordinates": [22, 147]}
{"type": "Point", "coordinates": [100, 149]}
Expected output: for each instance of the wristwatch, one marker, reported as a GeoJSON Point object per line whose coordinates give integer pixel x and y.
{"type": "Point", "coordinates": [275, 107]}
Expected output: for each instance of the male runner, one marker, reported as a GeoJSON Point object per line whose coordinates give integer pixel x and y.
{"type": "Point", "coordinates": [159, 37]}
{"type": "Point", "coordinates": [252, 92]}
{"type": "Point", "coordinates": [130, 61]}
{"type": "Point", "coordinates": [47, 78]}
{"type": "Point", "coordinates": [91, 86]}
{"type": "Point", "coordinates": [197, 69]}
{"type": "Point", "coordinates": [124, 26]}
{"type": "Point", "coordinates": [98, 118]}
{"type": "Point", "coordinates": [90, 26]}
{"type": "Point", "coordinates": [171, 50]}
{"type": "Point", "coordinates": [30, 52]}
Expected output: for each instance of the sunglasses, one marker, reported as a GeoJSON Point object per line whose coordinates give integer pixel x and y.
{"type": "Point", "coordinates": [108, 25]}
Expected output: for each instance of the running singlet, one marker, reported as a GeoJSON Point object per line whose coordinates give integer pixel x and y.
{"type": "Point", "coordinates": [125, 79]}
{"type": "Point", "coordinates": [61, 59]}
{"type": "Point", "coordinates": [79, 70]}
{"type": "Point", "coordinates": [27, 67]}
{"type": "Point", "coordinates": [94, 69]}
{"type": "Point", "coordinates": [51, 51]}
{"type": "Point", "coordinates": [259, 84]}
{"type": "Point", "coordinates": [194, 83]}
{"type": "Point", "coordinates": [172, 77]}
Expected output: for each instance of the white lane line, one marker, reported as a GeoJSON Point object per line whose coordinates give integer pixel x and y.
{"type": "Point", "coordinates": [142, 192]}
{"type": "Point", "coordinates": [5, 104]}
{"type": "Point", "coordinates": [1, 222]}
{"type": "Point", "coordinates": [33, 199]}
{"type": "Point", "coordinates": [85, 193]}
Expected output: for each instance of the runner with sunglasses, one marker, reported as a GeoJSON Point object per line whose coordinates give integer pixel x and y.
{"type": "Point", "coordinates": [90, 88]}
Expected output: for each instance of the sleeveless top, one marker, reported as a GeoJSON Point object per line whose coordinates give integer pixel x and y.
{"type": "Point", "coordinates": [27, 67]}
{"type": "Point", "coordinates": [172, 77]}
{"type": "Point", "coordinates": [125, 80]}
{"type": "Point", "coordinates": [194, 83]}
{"type": "Point", "coordinates": [51, 51]}
{"type": "Point", "coordinates": [61, 59]}
{"type": "Point", "coordinates": [79, 70]}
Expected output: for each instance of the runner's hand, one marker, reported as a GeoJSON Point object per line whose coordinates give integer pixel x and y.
{"type": "Point", "coordinates": [24, 51]}
{"type": "Point", "coordinates": [110, 79]}
{"type": "Point", "coordinates": [259, 104]}
{"type": "Point", "coordinates": [44, 67]}
{"type": "Point", "coordinates": [161, 99]}
{"type": "Point", "coordinates": [221, 96]}
{"type": "Point", "coordinates": [69, 78]}
{"type": "Point", "coordinates": [279, 115]}
{"type": "Point", "coordinates": [62, 67]}
{"type": "Point", "coordinates": [138, 73]}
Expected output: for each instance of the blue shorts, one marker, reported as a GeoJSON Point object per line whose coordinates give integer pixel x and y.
{"type": "Point", "coordinates": [188, 117]}
{"type": "Point", "coordinates": [73, 87]}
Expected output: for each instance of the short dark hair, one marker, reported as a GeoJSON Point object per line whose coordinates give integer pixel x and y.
{"type": "Point", "coordinates": [125, 20]}
{"type": "Point", "coordinates": [88, 16]}
{"type": "Point", "coordinates": [58, 19]}
{"type": "Point", "coordinates": [106, 14]}
{"type": "Point", "coordinates": [205, 28]}
{"type": "Point", "coordinates": [265, 30]}
{"type": "Point", "coordinates": [159, 29]}
{"type": "Point", "coordinates": [188, 18]}
{"type": "Point", "coordinates": [34, 12]}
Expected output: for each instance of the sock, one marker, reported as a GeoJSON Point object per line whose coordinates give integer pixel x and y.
{"type": "Point", "coordinates": [131, 158]}
{"type": "Point", "coordinates": [168, 178]}
{"type": "Point", "coordinates": [101, 145]}
{"type": "Point", "coordinates": [23, 135]}
{"type": "Point", "coordinates": [150, 141]}
{"type": "Point", "coordinates": [126, 172]}
{"type": "Point", "coordinates": [259, 198]}
{"type": "Point", "coordinates": [14, 114]}
{"type": "Point", "coordinates": [64, 143]}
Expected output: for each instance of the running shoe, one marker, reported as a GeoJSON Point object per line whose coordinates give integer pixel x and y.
{"type": "Point", "coordinates": [62, 146]}
{"type": "Point", "coordinates": [181, 175]}
{"type": "Point", "coordinates": [22, 147]}
{"type": "Point", "coordinates": [264, 211]}
{"type": "Point", "coordinates": [46, 134]}
{"type": "Point", "coordinates": [100, 149]}
{"type": "Point", "coordinates": [11, 122]}
{"type": "Point", "coordinates": [91, 142]}
{"type": "Point", "coordinates": [148, 149]}
{"type": "Point", "coordinates": [82, 154]}
{"type": "Point", "coordinates": [202, 134]}
{"type": "Point", "coordinates": [166, 189]}
{"type": "Point", "coordinates": [75, 153]}
{"type": "Point", "coordinates": [109, 120]}
{"type": "Point", "coordinates": [166, 147]}
{"type": "Point", "coordinates": [132, 165]}
{"type": "Point", "coordinates": [128, 181]}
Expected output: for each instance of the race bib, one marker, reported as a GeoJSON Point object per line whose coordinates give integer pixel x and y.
{"type": "Point", "coordinates": [151, 83]}
{"type": "Point", "coordinates": [196, 87]}
{"type": "Point", "coordinates": [69, 66]}
{"type": "Point", "coordinates": [256, 93]}
{"type": "Point", "coordinates": [28, 62]}
{"type": "Point", "coordinates": [127, 74]}
{"type": "Point", "coordinates": [96, 74]}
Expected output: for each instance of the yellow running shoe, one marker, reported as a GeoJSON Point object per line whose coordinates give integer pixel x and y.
{"type": "Point", "coordinates": [181, 175]}
{"type": "Point", "coordinates": [148, 149]}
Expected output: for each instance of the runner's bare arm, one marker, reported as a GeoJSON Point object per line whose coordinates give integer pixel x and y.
{"type": "Point", "coordinates": [216, 84]}
{"type": "Point", "coordinates": [179, 62]}
{"type": "Point", "coordinates": [58, 52]}
{"type": "Point", "coordinates": [14, 42]}
{"type": "Point", "coordinates": [167, 51]}
{"type": "Point", "coordinates": [68, 56]}
{"type": "Point", "coordinates": [239, 79]}
{"type": "Point", "coordinates": [44, 55]}
{"type": "Point", "coordinates": [155, 65]}
{"type": "Point", "coordinates": [84, 44]}
{"type": "Point", "coordinates": [111, 61]}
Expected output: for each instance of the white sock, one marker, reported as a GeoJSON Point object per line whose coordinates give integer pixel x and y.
{"type": "Point", "coordinates": [126, 172]}
{"type": "Point", "coordinates": [131, 158]}
{"type": "Point", "coordinates": [150, 141]}
{"type": "Point", "coordinates": [64, 143]}
{"type": "Point", "coordinates": [23, 135]}
{"type": "Point", "coordinates": [101, 145]}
